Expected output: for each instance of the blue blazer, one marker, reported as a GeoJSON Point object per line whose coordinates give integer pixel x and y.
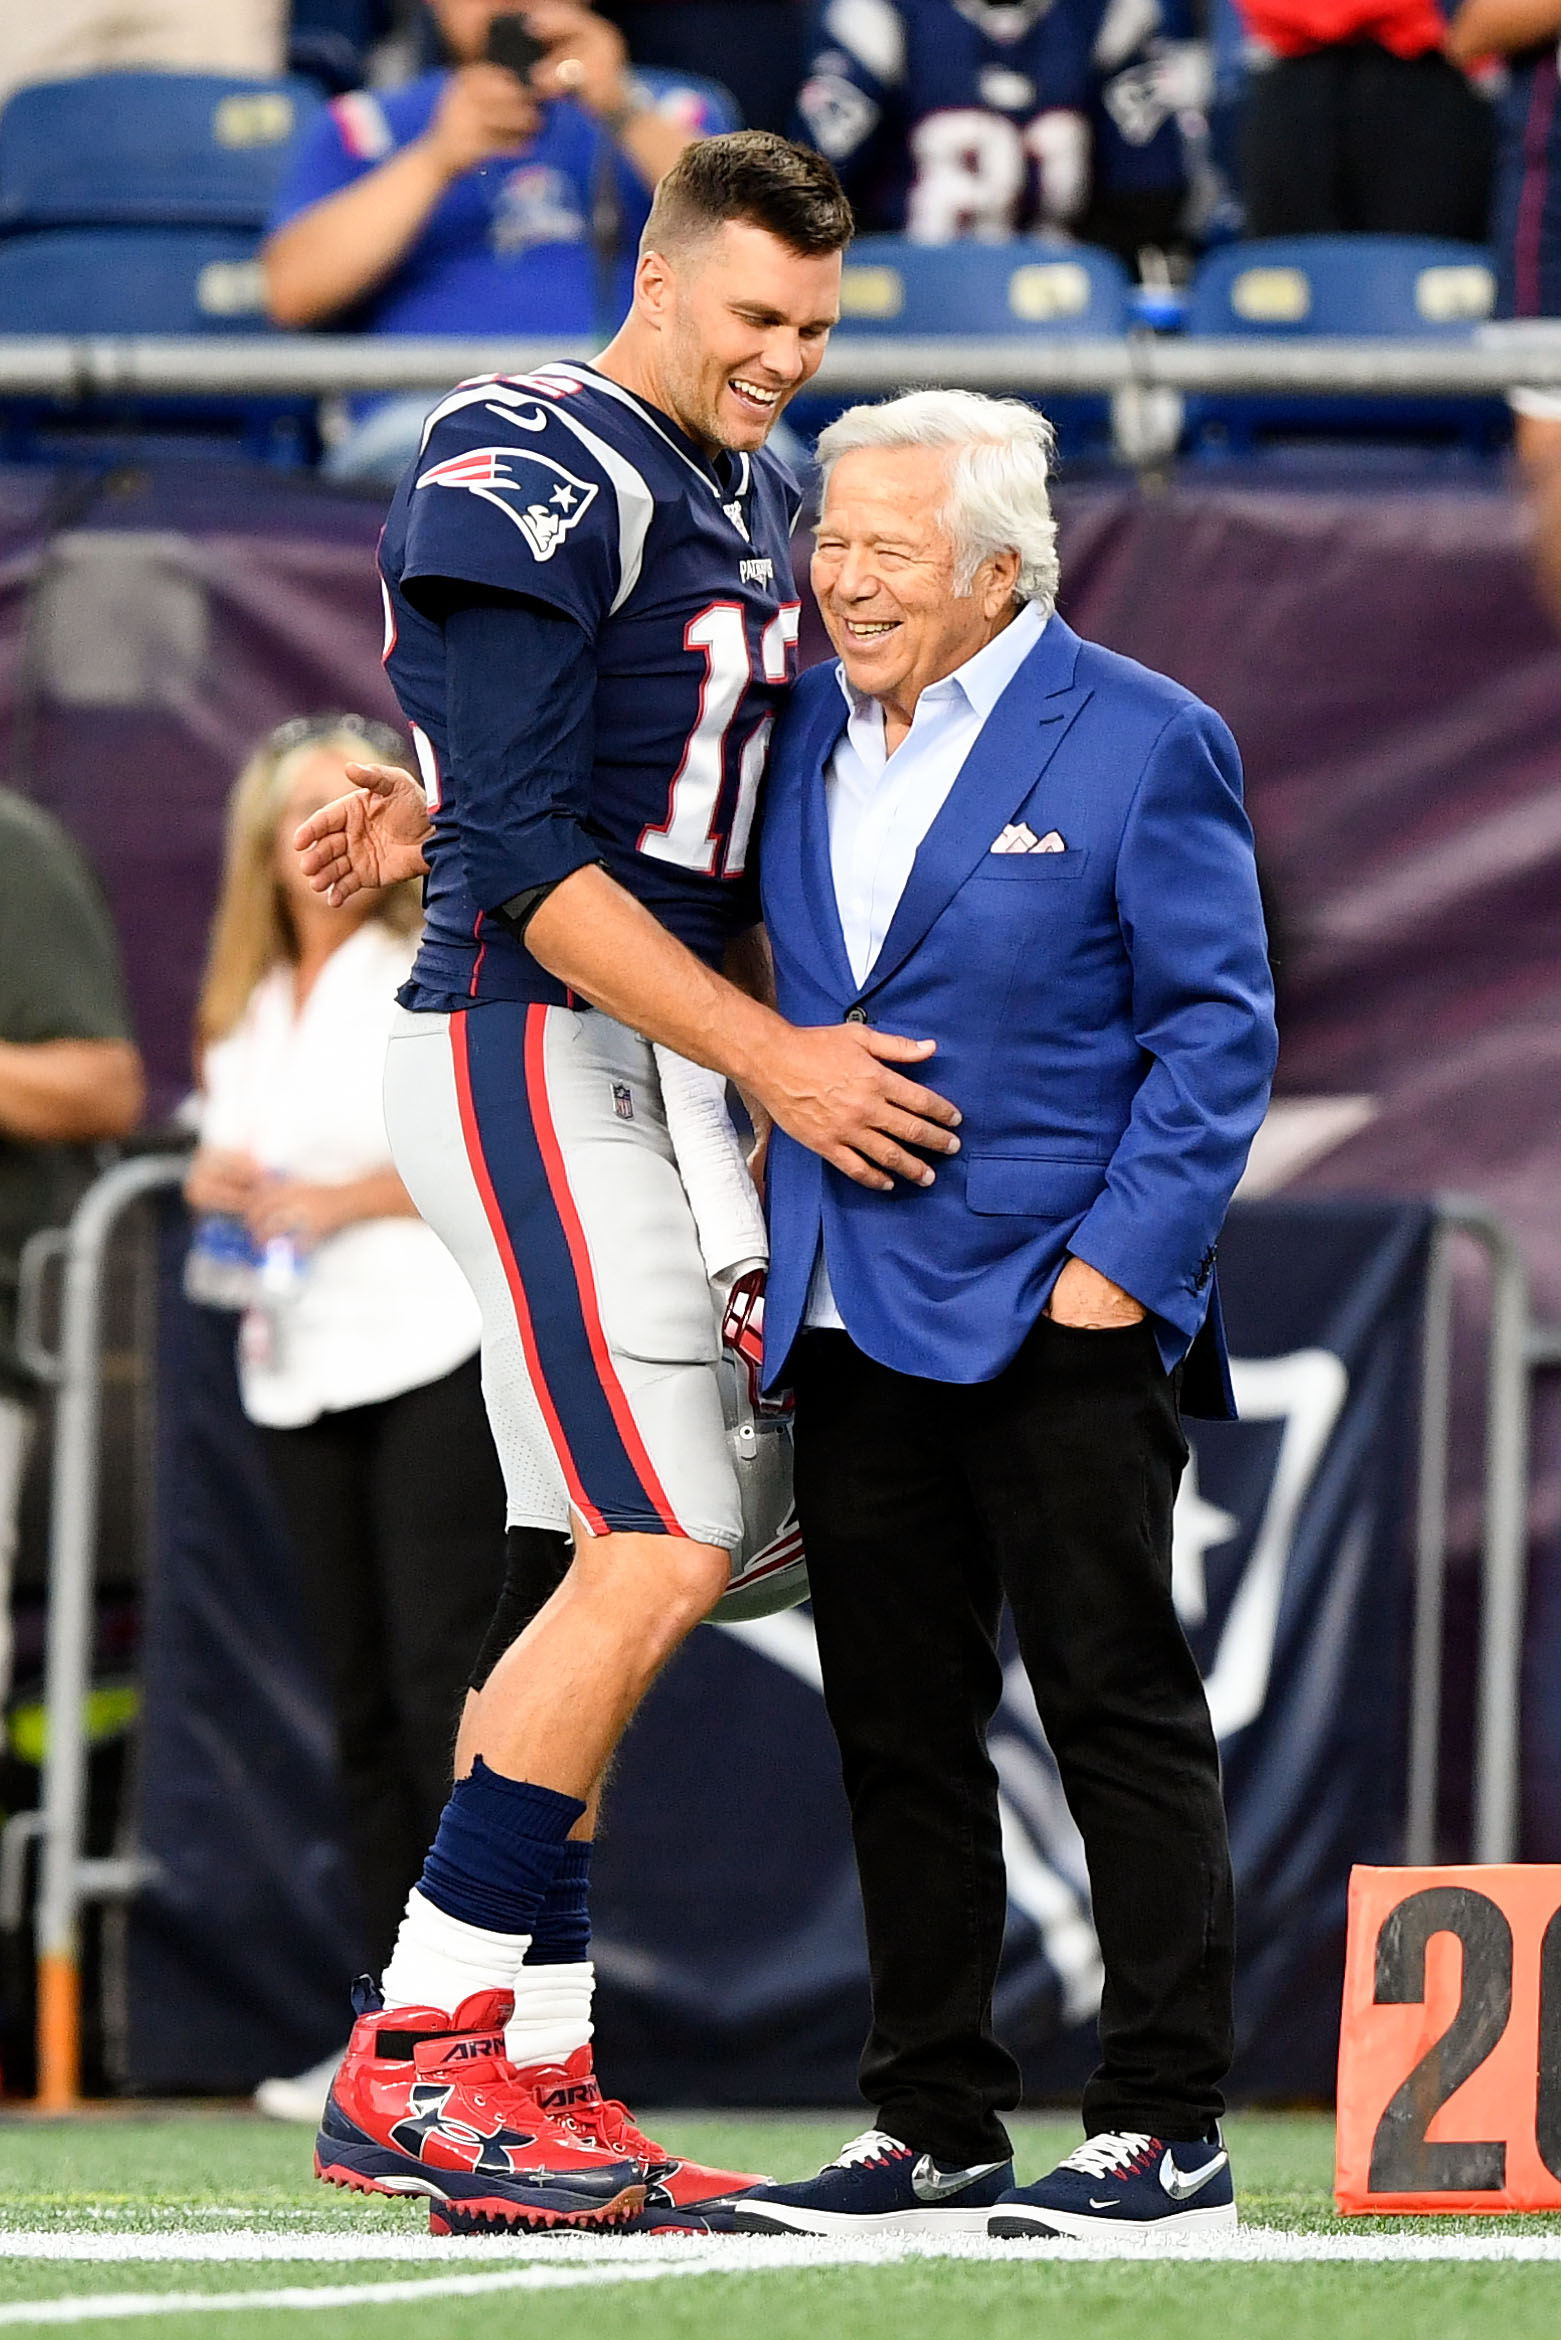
{"type": "Point", "coordinates": [1104, 1021]}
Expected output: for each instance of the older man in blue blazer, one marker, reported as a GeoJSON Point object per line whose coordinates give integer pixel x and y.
{"type": "Point", "coordinates": [982, 831]}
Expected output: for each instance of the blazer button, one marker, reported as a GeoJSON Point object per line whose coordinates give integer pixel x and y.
{"type": "Point", "coordinates": [856, 1015]}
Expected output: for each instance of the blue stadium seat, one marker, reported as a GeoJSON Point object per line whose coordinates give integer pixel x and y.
{"type": "Point", "coordinates": [1296, 287]}
{"type": "Point", "coordinates": [1023, 288]}
{"type": "Point", "coordinates": [147, 150]}
{"type": "Point", "coordinates": [131, 280]}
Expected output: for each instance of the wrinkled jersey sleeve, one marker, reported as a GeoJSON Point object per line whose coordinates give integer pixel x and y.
{"type": "Point", "coordinates": [521, 684]}
{"type": "Point", "coordinates": [524, 507]}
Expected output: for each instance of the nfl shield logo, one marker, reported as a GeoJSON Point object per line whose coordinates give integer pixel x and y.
{"type": "Point", "coordinates": [622, 1101]}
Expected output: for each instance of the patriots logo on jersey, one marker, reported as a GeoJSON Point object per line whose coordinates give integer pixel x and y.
{"type": "Point", "coordinates": [537, 493]}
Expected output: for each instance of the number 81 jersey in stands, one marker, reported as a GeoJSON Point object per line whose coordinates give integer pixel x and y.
{"type": "Point", "coordinates": [567, 489]}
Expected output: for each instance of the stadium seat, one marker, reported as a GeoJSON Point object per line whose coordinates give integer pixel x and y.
{"type": "Point", "coordinates": [1024, 288]}
{"type": "Point", "coordinates": [131, 280]}
{"type": "Point", "coordinates": [147, 150]}
{"type": "Point", "coordinates": [1296, 287]}
{"type": "Point", "coordinates": [89, 281]}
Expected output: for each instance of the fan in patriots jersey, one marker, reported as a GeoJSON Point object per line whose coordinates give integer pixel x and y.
{"type": "Point", "coordinates": [995, 118]}
{"type": "Point", "coordinates": [590, 617]}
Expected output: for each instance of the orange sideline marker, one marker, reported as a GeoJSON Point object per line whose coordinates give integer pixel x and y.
{"type": "Point", "coordinates": [1450, 2041]}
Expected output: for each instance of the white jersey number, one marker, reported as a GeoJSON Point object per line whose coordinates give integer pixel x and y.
{"type": "Point", "coordinates": [688, 836]}
{"type": "Point", "coordinates": [973, 172]}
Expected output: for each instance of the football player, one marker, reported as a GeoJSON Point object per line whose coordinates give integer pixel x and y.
{"type": "Point", "coordinates": [590, 621]}
{"type": "Point", "coordinates": [995, 118]}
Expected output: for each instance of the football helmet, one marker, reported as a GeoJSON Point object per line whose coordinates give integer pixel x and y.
{"type": "Point", "coordinates": [769, 1572]}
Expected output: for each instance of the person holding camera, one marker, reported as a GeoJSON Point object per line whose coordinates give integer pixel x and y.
{"type": "Point", "coordinates": [502, 195]}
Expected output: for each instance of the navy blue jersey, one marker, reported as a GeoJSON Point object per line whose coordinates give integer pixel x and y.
{"type": "Point", "coordinates": [570, 492]}
{"type": "Point", "coordinates": [1527, 221]}
{"type": "Point", "coordinates": [950, 118]}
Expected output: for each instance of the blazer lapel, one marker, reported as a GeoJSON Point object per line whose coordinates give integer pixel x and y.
{"type": "Point", "coordinates": [1016, 743]}
{"type": "Point", "coordinates": [818, 877]}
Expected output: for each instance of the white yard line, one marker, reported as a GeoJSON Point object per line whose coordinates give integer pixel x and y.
{"type": "Point", "coordinates": [559, 2263]}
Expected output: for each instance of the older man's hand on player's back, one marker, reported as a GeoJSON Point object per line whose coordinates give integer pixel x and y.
{"type": "Point", "coordinates": [372, 838]}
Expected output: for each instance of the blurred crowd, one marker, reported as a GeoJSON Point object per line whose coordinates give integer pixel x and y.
{"type": "Point", "coordinates": [1133, 124]}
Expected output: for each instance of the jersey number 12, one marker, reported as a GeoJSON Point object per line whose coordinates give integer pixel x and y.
{"type": "Point", "coordinates": [689, 836]}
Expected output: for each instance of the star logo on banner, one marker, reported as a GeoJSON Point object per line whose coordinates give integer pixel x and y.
{"type": "Point", "coordinates": [1196, 1527]}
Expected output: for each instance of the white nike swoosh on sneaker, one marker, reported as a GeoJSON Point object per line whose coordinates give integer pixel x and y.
{"type": "Point", "coordinates": [931, 2184]}
{"type": "Point", "coordinates": [1182, 2184]}
{"type": "Point", "coordinates": [1110, 2203]}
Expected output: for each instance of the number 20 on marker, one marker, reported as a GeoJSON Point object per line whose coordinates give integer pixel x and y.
{"type": "Point", "coordinates": [1450, 2044]}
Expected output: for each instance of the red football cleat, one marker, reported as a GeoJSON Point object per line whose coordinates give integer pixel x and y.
{"type": "Point", "coordinates": [429, 2103]}
{"type": "Point", "coordinates": [678, 2193]}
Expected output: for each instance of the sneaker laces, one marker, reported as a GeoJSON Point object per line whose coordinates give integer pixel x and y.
{"type": "Point", "coordinates": [872, 2145]}
{"type": "Point", "coordinates": [610, 2120]}
{"type": "Point", "coordinates": [1110, 2154]}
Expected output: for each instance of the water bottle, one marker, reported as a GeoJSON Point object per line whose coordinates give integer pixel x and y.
{"type": "Point", "coordinates": [221, 1265]}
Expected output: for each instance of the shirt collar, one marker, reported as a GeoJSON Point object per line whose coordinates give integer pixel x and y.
{"type": "Point", "coordinates": [982, 679]}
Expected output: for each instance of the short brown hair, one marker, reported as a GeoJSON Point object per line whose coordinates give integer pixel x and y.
{"type": "Point", "coordinates": [757, 177]}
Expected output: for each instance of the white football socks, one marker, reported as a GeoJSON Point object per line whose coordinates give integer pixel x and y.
{"type": "Point", "coordinates": [552, 2013]}
{"type": "Point", "coordinates": [440, 1960]}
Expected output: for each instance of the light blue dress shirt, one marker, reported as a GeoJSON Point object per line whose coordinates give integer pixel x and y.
{"type": "Point", "coordinates": [880, 806]}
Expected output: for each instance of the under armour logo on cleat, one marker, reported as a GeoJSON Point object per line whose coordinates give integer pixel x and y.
{"type": "Point", "coordinates": [426, 2120]}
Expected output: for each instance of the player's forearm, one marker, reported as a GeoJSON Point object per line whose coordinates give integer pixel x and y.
{"type": "Point", "coordinates": [1485, 28]}
{"type": "Point", "coordinates": [69, 1092]}
{"type": "Point", "coordinates": [605, 945]}
{"type": "Point", "coordinates": [338, 250]}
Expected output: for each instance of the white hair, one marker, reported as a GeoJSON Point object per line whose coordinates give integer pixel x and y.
{"type": "Point", "coordinates": [1001, 456]}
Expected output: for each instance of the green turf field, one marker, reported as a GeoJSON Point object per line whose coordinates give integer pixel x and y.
{"type": "Point", "coordinates": [163, 2218]}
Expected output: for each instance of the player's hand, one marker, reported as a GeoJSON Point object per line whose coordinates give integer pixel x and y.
{"type": "Point", "coordinates": [834, 1088]}
{"type": "Point", "coordinates": [586, 56]}
{"type": "Point", "coordinates": [1091, 1302]}
{"type": "Point", "coordinates": [482, 111]}
{"type": "Point", "coordinates": [374, 837]}
{"type": "Point", "coordinates": [222, 1182]}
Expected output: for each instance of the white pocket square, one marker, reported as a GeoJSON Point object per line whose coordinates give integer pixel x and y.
{"type": "Point", "coordinates": [1019, 837]}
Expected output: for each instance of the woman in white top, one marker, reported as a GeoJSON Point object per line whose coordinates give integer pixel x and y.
{"type": "Point", "coordinates": [358, 1358]}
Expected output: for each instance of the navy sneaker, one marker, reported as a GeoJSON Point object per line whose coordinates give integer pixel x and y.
{"type": "Point", "coordinates": [1124, 2183]}
{"type": "Point", "coordinates": [876, 2183]}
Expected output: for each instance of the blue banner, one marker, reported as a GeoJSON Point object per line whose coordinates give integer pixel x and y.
{"type": "Point", "coordinates": [729, 1939]}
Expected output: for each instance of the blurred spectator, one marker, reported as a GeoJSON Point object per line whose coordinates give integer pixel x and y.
{"type": "Point", "coordinates": [54, 39]}
{"type": "Point", "coordinates": [472, 202]}
{"type": "Point", "coordinates": [69, 1074]}
{"type": "Point", "coordinates": [358, 1351]}
{"type": "Point", "coordinates": [1361, 123]}
{"type": "Point", "coordinates": [1527, 226]}
{"type": "Point", "coordinates": [752, 47]}
{"type": "Point", "coordinates": [331, 40]}
{"type": "Point", "coordinates": [950, 118]}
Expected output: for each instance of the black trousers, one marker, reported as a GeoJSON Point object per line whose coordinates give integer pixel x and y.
{"type": "Point", "coordinates": [923, 1504]}
{"type": "Point", "coordinates": [396, 1516]}
{"type": "Point", "coordinates": [1353, 138]}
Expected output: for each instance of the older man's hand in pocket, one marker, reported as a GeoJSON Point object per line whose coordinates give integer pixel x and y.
{"type": "Point", "coordinates": [1091, 1302]}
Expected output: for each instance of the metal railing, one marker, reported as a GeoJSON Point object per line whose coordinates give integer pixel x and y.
{"type": "Point", "coordinates": [323, 365]}
{"type": "Point", "coordinates": [1504, 1539]}
{"type": "Point", "coordinates": [67, 1878]}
